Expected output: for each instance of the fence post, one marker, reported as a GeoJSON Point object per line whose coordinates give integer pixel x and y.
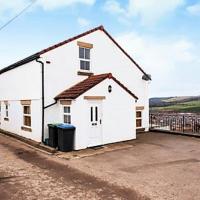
{"type": "Point", "coordinates": [183, 123]}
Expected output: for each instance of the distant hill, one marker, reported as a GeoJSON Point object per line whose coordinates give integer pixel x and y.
{"type": "Point", "coordinates": [175, 104]}
{"type": "Point", "coordinates": [166, 101]}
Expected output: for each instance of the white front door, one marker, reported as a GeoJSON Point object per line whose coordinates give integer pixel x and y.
{"type": "Point", "coordinates": [95, 123]}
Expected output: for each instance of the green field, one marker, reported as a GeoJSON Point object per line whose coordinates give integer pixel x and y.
{"type": "Point", "coordinates": [191, 107]}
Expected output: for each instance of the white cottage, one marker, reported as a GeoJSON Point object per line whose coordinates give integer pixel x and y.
{"type": "Point", "coordinates": [88, 81]}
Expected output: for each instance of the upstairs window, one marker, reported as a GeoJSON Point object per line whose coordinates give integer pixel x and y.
{"type": "Point", "coordinates": [84, 56]}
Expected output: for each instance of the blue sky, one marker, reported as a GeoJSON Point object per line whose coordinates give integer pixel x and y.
{"type": "Point", "coordinates": [162, 36]}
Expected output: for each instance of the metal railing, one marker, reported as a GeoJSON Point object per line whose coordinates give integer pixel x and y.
{"type": "Point", "coordinates": [181, 123]}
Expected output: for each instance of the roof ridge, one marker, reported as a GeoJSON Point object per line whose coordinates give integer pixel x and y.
{"type": "Point", "coordinates": [71, 39]}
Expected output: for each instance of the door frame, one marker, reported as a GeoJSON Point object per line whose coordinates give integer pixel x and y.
{"type": "Point", "coordinates": [93, 103]}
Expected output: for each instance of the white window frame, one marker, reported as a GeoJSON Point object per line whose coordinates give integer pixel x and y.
{"type": "Point", "coordinates": [67, 114]}
{"type": "Point", "coordinates": [26, 115]}
{"type": "Point", "coordinates": [140, 118]}
{"type": "Point", "coordinates": [84, 59]}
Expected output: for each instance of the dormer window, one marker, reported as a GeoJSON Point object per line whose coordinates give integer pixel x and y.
{"type": "Point", "coordinates": [85, 56]}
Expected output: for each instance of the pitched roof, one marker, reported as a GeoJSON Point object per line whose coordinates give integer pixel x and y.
{"type": "Point", "coordinates": [38, 54]}
{"type": "Point", "coordinates": [70, 40]}
{"type": "Point", "coordinates": [83, 86]}
{"type": "Point", "coordinates": [19, 63]}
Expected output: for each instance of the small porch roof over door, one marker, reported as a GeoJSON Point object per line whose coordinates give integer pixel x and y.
{"type": "Point", "coordinates": [80, 88]}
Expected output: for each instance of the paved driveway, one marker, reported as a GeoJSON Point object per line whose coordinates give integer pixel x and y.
{"type": "Point", "coordinates": [160, 166]}
{"type": "Point", "coordinates": [27, 174]}
{"type": "Point", "coordinates": [155, 166]}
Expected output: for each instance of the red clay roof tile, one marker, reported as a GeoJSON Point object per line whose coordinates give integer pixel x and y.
{"type": "Point", "coordinates": [83, 86]}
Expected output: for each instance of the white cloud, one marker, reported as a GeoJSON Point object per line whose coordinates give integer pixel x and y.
{"type": "Point", "coordinates": [149, 11]}
{"type": "Point", "coordinates": [194, 9]}
{"type": "Point", "coordinates": [114, 7]}
{"type": "Point", "coordinates": [156, 53]}
{"type": "Point", "coordinates": [54, 4]}
{"type": "Point", "coordinates": [83, 22]}
{"type": "Point", "coordinates": [152, 10]}
{"type": "Point", "coordinates": [166, 60]}
{"type": "Point", "coordinates": [11, 7]}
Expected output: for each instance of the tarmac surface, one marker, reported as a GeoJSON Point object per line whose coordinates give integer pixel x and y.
{"type": "Point", "coordinates": [155, 166]}
{"type": "Point", "coordinates": [29, 174]}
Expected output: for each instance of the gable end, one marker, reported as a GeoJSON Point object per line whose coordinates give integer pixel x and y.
{"type": "Point", "coordinates": [37, 55]}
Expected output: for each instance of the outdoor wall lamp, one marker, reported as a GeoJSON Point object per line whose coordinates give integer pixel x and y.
{"type": "Point", "coordinates": [109, 88]}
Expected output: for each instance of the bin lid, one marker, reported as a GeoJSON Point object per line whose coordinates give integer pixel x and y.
{"type": "Point", "coordinates": [66, 126]}
{"type": "Point", "coordinates": [54, 125]}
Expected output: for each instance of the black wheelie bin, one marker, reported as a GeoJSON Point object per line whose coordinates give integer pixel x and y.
{"type": "Point", "coordinates": [66, 134]}
{"type": "Point", "coordinates": [53, 135]}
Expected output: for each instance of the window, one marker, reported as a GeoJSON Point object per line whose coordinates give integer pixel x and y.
{"type": "Point", "coordinates": [91, 114]}
{"type": "Point", "coordinates": [27, 115]}
{"type": "Point", "coordinates": [67, 114]}
{"type": "Point", "coordinates": [6, 111]}
{"type": "Point", "coordinates": [84, 56]}
{"type": "Point", "coordinates": [94, 113]}
{"type": "Point", "coordinates": [138, 119]}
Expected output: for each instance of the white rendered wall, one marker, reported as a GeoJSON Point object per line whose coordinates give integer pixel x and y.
{"type": "Point", "coordinates": [118, 120]}
{"type": "Point", "coordinates": [52, 115]}
{"type": "Point", "coordinates": [105, 57]}
{"type": "Point", "coordinates": [16, 119]}
{"type": "Point", "coordinates": [22, 83]}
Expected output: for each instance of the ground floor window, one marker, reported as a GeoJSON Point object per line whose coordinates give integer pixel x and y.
{"type": "Point", "coordinates": [6, 111]}
{"type": "Point", "coordinates": [27, 115]}
{"type": "Point", "coordinates": [67, 114]}
{"type": "Point", "coordinates": [138, 119]}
